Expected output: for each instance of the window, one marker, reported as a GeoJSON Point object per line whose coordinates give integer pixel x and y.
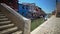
{"type": "Point", "coordinates": [23, 7]}
{"type": "Point", "coordinates": [26, 7]}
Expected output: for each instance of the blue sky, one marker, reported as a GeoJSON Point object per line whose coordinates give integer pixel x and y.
{"type": "Point", "coordinates": [47, 5]}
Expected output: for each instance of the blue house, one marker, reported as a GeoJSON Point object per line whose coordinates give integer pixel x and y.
{"type": "Point", "coordinates": [28, 10]}
{"type": "Point", "coordinates": [23, 9]}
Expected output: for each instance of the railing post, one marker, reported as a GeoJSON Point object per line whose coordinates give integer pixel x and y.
{"type": "Point", "coordinates": [27, 26]}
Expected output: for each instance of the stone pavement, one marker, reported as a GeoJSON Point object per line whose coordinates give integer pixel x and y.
{"type": "Point", "coordinates": [51, 26]}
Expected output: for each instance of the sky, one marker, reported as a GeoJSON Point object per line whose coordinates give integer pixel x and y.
{"type": "Point", "coordinates": [47, 5]}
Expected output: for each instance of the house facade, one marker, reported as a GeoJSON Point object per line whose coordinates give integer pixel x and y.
{"type": "Point", "coordinates": [30, 10]}
{"type": "Point", "coordinates": [58, 9]}
{"type": "Point", "coordinates": [12, 3]}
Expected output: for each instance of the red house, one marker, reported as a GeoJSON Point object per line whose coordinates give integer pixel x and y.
{"type": "Point", "coordinates": [12, 3]}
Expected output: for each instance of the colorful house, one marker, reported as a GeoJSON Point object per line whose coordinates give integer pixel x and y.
{"type": "Point", "coordinates": [26, 9]}
{"type": "Point", "coordinates": [30, 10]}
{"type": "Point", "coordinates": [12, 3]}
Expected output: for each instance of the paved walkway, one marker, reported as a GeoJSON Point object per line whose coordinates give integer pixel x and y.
{"type": "Point", "coordinates": [51, 26]}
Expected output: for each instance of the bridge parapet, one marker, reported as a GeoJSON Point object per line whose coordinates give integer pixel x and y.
{"type": "Point", "coordinates": [20, 21]}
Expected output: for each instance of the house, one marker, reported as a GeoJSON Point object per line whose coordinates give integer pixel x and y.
{"type": "Point", "coordinates": [12, 3]}
{"type": "Point", "coordinates": [58, 9]}
{"type": "Point", "coordinates": [30, 10]}
{"type": "Point", "coordinates": [26, 9]}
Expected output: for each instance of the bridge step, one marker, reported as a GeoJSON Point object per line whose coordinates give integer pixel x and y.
{"type": "Point", "coordinates": [5, 22]}
{"type": "Point", "coordinates": [1, 14]}
{"type": "Point", "coordinates": [9, 30]}
{"type": "Point", "coordinates": [6, 26]}
{"type": "Point", "coordinates": [3, 19]}
{"type": "Point", "coordinates": [18, 32]}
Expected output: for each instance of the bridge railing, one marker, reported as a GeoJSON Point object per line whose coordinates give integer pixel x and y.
{"type": "Point", "coordinates": [20, 21]}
